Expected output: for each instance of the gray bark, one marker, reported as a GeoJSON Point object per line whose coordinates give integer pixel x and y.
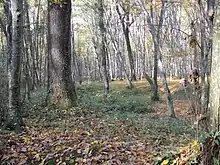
{"type": "Point", "coordinates": [155, 44]}
{"type": "Point", "coordinates": [163, 73]}
{"type": "Point", "coordinates": [63, 87]}
{"type": "Point", "coordinates": [30, 46]}
{"type": "Point", "coordinates": [103, 48]}
{"type": "Point", "coordinates": [125, 22]}
{"type": "Point", "coordinates": [121, 63]}
{"type": "Point", "coordinates": [215, 76]}
{"type": "Point", "coordinates": [8, 30]}
{"type": "Point", "coordinates": [156, 36]}
{"type": "Point", "coordinates": [14, 119]}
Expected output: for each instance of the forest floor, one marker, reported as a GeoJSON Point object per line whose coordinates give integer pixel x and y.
{"type": "Point", "coordinates": [127, 128]}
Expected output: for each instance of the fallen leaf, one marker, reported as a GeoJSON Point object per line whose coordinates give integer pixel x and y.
{"type": "Point", "coordinates": [165, 162]}
{"type": "Point", "coordinates": [37, 157]}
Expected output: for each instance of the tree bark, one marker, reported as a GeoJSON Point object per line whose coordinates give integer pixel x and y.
{"type": "Point", "coordinates": [215, 76]}
{"type": "Point", "coordinates": [166, 89]}
{"type": "Point", "coordinates": [14, 118]}
{"type": "Point", "coordinates": [120, 59]}
{"type": "Point", "coordinates": [63, 92]}
{"type": "Point", "coordinates": [103, 49]}
{"type": "Point", "coordinates": [156, 46]}
{"type": "Point", "coordinates": [156, 36]}
{"type": "Point", "coordinates": [163, 73]}
{"type": "Point", "coordinates": [8, 31]}
{"type": "Point", "coordinates": [125, 27]}
{"type": "Point", "coordinates": [30, 46]}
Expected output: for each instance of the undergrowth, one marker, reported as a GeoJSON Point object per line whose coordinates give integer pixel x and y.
{"type": "Point", "coordinates": [120, 98]}
{"type": "Point", "coordinates": [126, 126]}
{"type": "Point", "coordinates": [132, 105]}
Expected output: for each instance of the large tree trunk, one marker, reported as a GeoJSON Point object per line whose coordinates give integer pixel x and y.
{"type": "Point", "coordinates": [215, 76]}
{"type": "Point", "coordinates": [8, 34]}
{"type": "Point", "coordinates": [63, 88]}
{"type": "Point", "coordinates": [14, 119]}
{"type": "Point", "coordinates": [203, 61]}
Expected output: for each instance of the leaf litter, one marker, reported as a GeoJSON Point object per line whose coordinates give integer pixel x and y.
{"type": "Point", "coordinates": [83, 136]}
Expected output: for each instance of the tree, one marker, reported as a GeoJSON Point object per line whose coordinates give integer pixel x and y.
{"type": "Point", "coordinates": [14, 119]}
{"type": "Point", "coordinates": [114, 33]}
{"type": "Point", "coordinates": [63, 88]}
{"type": "Point", "coordinates": [156, 37]}
{"type": "Point", "coordinates": [103, 47]}
{"type": "Point", "coordinates": [125, 22]}
{"type": "Point", "coordinates": [206, 30]}
{"type": "Point", "coordinates": [29, 45]}
{"type": "Point", "coordinates": [215, 75]}
{"type": "Point", "coordinates": [155, 33]}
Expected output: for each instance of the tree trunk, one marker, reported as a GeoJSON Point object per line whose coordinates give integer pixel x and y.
{"type": "Point", "coordinates": [120, 60]}
{"type": "Point", "coordinates": [160, 64]}
{"type": "Point", "coordinates": [36, 44]}
{"type": "Point", "coordinates": [202, 63]}
{"type": "Point", "coordinates": [215, 77]}
{"type": "Point", "coordinates": [63, 88]}
{"type": "Point", "coordinates": [103, 48]}
{"type": "Point", "coordinates": [156, 46]}
{"type": "Point", "coordinates": [26, 69]}
{"type": "Point", "coordinates": [48, 68]}
{"type": "Point", "coordinates": [167, 90]}
{"type": "Point", "coordinates": [14, 118]}
{"type": "Point", "coordinates": [156, 36]}
{"type": "Point", "coordinates": [8, 31]}
{"type": "Point", "coordinates": [149, 80]}
{"type": "Point", "coordinates": [30, 46]}
{"type": "Point", "coordinates": [130, 55]}
{"type": "Point", "coordinates": [125, 27]}
{"type": "Point", "coordinates": [155, 93]}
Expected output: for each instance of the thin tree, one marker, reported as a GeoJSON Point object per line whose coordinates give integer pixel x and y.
{"type": "Point", "coordinates": [126, 23]}
{"type": "Point", "coordinates": [156, 36]}
{"type": "Point", "coordinates": [155, 33]}
{"type": "Point", "coordinates": [103, 48]}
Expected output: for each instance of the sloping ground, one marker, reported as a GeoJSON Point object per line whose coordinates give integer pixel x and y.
{"type": "Point", "coordinates": [94, 136]}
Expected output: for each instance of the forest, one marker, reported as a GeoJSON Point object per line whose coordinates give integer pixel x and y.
{"type": "Point", "coordinates": [112, 82]}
